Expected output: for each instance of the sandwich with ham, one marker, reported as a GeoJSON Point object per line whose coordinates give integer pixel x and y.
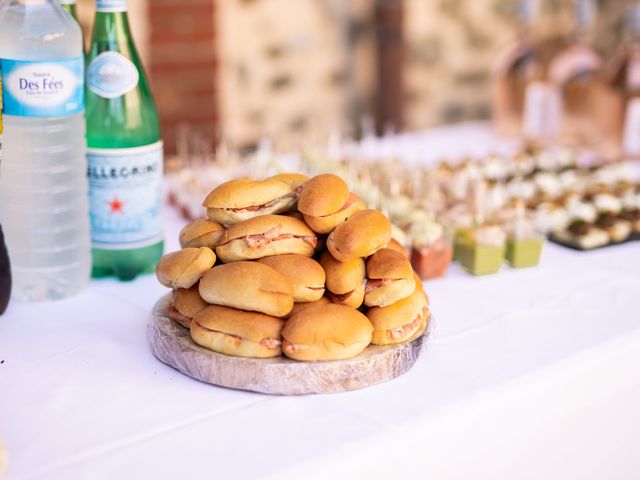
{"type": "Point", "coordinates": [248, 286]}
{"type": "Point", "coordinates": [389, 278]}
{"type": "Point", "coordinates": [305, 275]}
{"type": "Point", "coordinates": [326, 332]}
{"type": "Point", "coordinates": [364, 233]}
{"type": "Point", "coordinates": [325, 202]}
{"type": "Point", "coordinates": [183, 269]}
{"type": "Point", "coordinates": [265, 236]}
{"type": "Point", "coordinates": [242, 199]}
{"type": "Point", "coordinates": [237, 333]}
{"type": "Point", "coordinates": [202, 233]}
{"type": "Point", "coordinates": [185, 304]}
{"type": "Point", "coordinates": [345, 280]}
{"type": "Point", "coordinates": [401, 321]}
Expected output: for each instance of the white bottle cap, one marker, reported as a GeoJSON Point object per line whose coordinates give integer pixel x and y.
{"type": "Point", "coordinates": [111, 5]}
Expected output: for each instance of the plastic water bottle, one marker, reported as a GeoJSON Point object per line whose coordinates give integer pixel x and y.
{"type": "Point", "coordinates": [43, 184]}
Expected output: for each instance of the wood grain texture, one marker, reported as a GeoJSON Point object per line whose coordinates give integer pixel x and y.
{"type": "Point", "coordinates": [172, 344]}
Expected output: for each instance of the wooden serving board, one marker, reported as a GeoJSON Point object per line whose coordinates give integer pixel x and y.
{"type": "Point", "coordinates": [172, 344]}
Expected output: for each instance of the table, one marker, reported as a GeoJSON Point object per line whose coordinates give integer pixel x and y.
{"type": "Point", "coordinates": [528, 374]}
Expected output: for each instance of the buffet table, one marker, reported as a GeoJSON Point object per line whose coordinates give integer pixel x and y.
{"type": "Point", "coordinates": [526, 374]}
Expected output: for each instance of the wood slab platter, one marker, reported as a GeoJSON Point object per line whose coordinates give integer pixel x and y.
{"type": "Point", "coordinates": [172, 344]}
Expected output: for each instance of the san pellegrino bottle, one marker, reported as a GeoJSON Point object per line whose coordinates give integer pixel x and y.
{"type": "Point", "coordinates": [70, 6]}
{"type": "Point", "coordinates": [125, 158]}
{"type": "Point", "coordinates": [43, 185]}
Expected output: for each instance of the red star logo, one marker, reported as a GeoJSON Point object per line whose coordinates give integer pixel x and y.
{"type": "Point", "coordinates": [116, 205]}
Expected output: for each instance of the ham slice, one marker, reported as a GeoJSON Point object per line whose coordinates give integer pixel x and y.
{"type": "Point", "coordinates": [266, 342]}
{"type": "Point", "coordinates": [260, 240]}
{"type": "Point", "coordinates": [176, 316]}
{"type": "Point", "coordinates": [255, 208]}
{"type": "Point", "coordinates": [403, 331]}
{"type": "Point", "coordinates": [270, 343]}
{"type": "Point", "coordinates": [375, 283]}
{"type": "Point", "coordinates": [293, 347]}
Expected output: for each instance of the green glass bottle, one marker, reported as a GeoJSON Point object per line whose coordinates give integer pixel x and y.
{"type": "Point", "coordinates": [125, 158]}
{"type": "Point", "coordinates": [70, 6]}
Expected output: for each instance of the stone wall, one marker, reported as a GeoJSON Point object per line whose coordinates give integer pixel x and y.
{"type": "Point", "coordinates": [295, 69]}
{"type": "Point", "coordinates": [451, 45]}
{"type": "Point", "coordinates": [283, 68]}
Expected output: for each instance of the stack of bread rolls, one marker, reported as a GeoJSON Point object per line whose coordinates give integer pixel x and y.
{"type": "Point", "coordinates": [295, 266]}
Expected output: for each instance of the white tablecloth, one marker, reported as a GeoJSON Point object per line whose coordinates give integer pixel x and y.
{"type": "Point", "coordinates": [528, 374]}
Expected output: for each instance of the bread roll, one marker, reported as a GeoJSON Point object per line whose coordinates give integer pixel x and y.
{"type": "Point", "coordinates": [353, 299]}
{"type": "Point", "coordinates": [345, 280]}
{"type": "Point", "coordinates": [400, 321]}
{"type": "Point", "coordinates": [342, 277]}
{"type": "Point", "coordinates": [305, 275]}
{"type": "Point", "coordinates": [362, 235]}
{"type": "Point", "coordinates": [248, 286]}
{"type": "Point", "coordinates": [326, 332]}
{"type": "Point", "coordinates": [186, 302]}
{"type": "Point", "coordinates": [328, 223]}
{"type": "Point", "coordinates": [238, 333]}
{"type": "Point", "coordinates": [242, 199]}
{"type": "Point", "coordinates": [183, 269]}
{"type": "Point", "coordinates": [265, 236]}
{"type": "Point", "coordinates": [390, 278]}
{"type": "Point", "coordinates": [201, 233]}
{"type": "Point", "coordinates": [323, 195]}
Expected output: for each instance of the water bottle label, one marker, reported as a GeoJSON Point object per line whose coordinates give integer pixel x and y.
{"type": "Point", "coordinates": [111, 75]}
{"type": "Point", "coordinates": [111, 5]}
{"type": "Point", "coordinates": [125, 196]}
{"type": "Point", "coordinates": [42, 88]}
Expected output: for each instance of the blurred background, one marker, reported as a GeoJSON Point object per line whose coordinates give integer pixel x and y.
{"type": "Point", "coordinates": [239, 70]}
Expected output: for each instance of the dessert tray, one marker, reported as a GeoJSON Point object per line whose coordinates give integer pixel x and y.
{"type": "Point", "coordinates": [564, 243]}
{"type": "Point", "coordinates": [172, 344]}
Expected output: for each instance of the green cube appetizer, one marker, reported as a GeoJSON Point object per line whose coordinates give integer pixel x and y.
{"type": "Point", "coordinates": [481, 259]}
{"type": "Point", "coordinates": [481, 250]}
{"type": "Point", "coordinates": [524, 253]}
